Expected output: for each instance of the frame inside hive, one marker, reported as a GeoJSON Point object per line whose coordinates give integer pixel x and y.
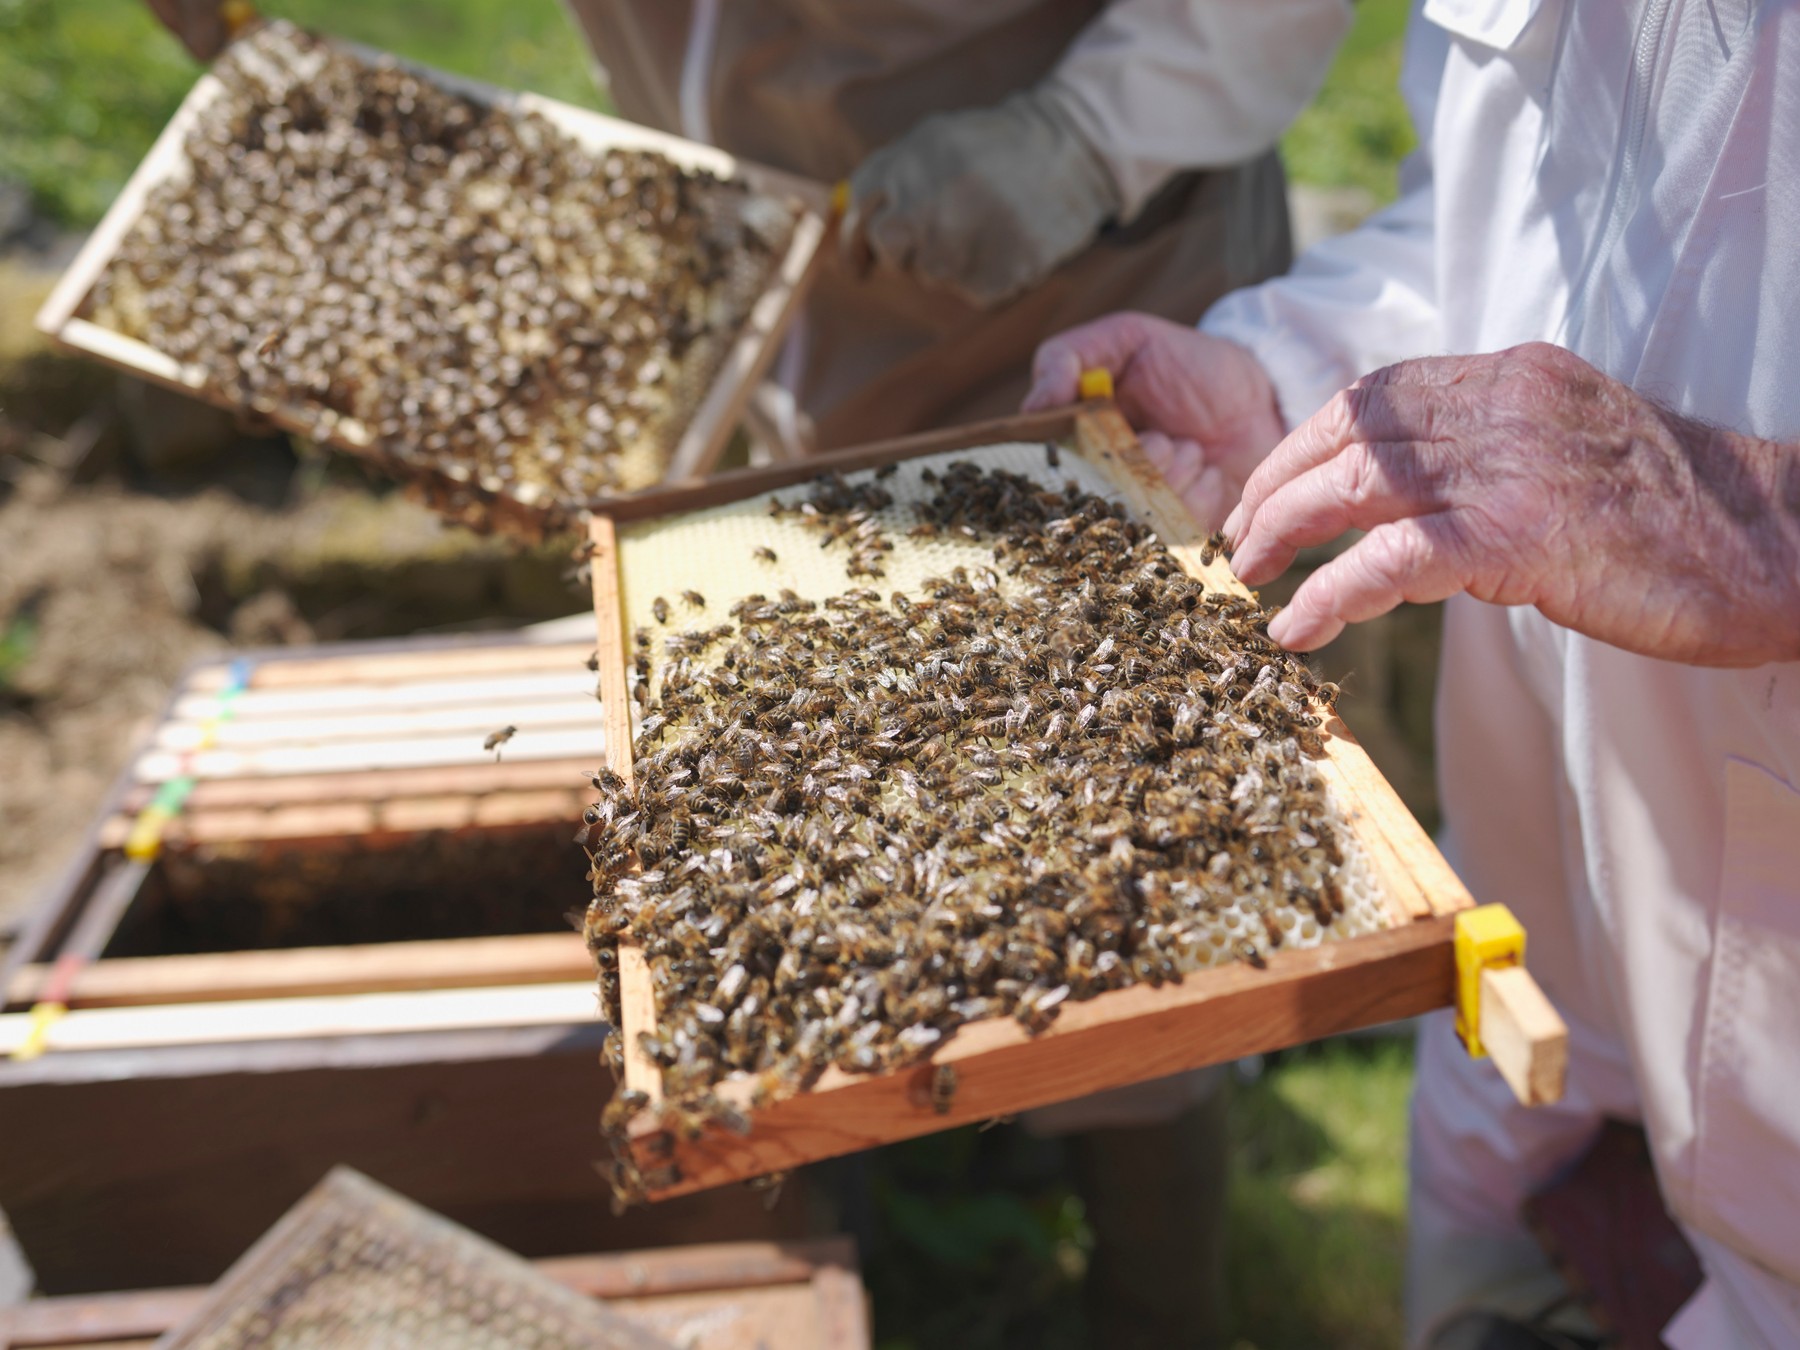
{"type": "Point", "coordinates": [1120, 1037]}
{"type": "Point", "coordinates": [491, 504]}
{"type": "Point", "coordinates": [333, 768]}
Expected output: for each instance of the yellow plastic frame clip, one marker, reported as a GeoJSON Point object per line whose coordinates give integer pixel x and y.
{"type": "Point", "coordinates": [1488, 937]}
{"type": "Point", "coordinates": [238, 15]}
{"type": "Point", "coordinates": [1096, 383]}
{"type": "Point", "coordinates": [44, 1016]}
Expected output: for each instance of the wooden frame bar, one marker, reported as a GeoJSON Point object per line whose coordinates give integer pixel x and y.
{"type": "Point", "coordinates": [701, 441]}
{"type": "Point", "coordinates": [1124, 1036]}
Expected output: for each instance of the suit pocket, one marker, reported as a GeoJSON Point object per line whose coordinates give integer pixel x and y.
{"type": "Point", "coordinates": [1747, 1145]}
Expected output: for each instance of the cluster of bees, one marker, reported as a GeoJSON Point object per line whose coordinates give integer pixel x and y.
{"type": "Point", "coordinates": [462, 290]}
{"type": "Point", "coordinates": [852, 827]}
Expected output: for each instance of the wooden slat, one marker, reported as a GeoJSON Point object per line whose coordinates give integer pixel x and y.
{"type": "Point", "coordinates": [563, 741]}
{"type": "Point", "coordinates": [96, 1318]}
{"type": "Point", "coordinates": [699, 1268]}
{"type": "Point", "coordinates": [1126, 1036]}
{"type": "Point", "coordinates": [449, 963]}
{"type": "Point", "coordinates": [637, 994]}
{"type": "Point", "coordinates": [494, 690]}
{"type": "Point", "coordinates": [358, 819]}
{"type": "Point", "coordinates": [750, 355]}
{"type": "Point", "coordinates": [376, 785]}
{"type": "Point", "coordinates": [163, 161]}
{"type": "Point", "coordinates": [397, 667]}
{"type": "Point", "coordinates": [735, 484]}
{"type": "Point", "coordinates": [476, 722]}
{"type": "Point", "coordinates": [1436, 889]}
{"type": "Point", "coordinates": [380, 1014]}
{"type": "Point", "coordinates": [1527, 1040]}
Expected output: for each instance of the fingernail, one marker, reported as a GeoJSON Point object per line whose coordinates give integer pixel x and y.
{"type": "Point", "coordinates": [1246, 566]}
{"type": "Point", "coordinates": [1232, 522]}
{"type": "Point", "coordinates": [1281, 628]}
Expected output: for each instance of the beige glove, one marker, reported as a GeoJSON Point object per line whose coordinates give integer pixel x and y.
{"type": "Point", "coordinates": [204, 26]}
{"type": "Point", "coordinates": [983, 203]}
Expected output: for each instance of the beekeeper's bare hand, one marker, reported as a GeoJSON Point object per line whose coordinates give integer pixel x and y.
{"type": "Point", "coordinates": [1203, 407]}
{"type": "Point", "coordinates": [203, 26]}
{"type": "Point", "coordinates": [984, 202]}
{"type": "Point", "coordinates": [1527, 477]}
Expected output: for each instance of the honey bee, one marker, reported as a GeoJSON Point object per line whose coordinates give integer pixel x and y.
{"type": "Point", "coordinates": [693, 599]}
{"type": "Point", "coordinates": [764, 554]}
{"type": "Point", "coordinates": [943, 1088]}
{"type": "Point", "coordinates": [659, 607]}
{"type": "Point", "coordinates": [844, 820]}
{"type": "Point", "coordinates": [496, 739]}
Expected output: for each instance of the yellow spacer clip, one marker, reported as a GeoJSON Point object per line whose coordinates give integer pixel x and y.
{"type": "Point", "coordinates": [37, 1036]}
{"type": "Point", "coordinates": [1096, 384]}
{"type": "Point", "coordinates": [1488, 937]}
{"type": "Point", "coordinates": [238, 15]}
{"type": "Point", "coordinates": [144, 842]}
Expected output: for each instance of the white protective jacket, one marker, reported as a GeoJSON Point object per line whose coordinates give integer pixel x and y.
{"type": "Point", "coordinates": [1621, 177]}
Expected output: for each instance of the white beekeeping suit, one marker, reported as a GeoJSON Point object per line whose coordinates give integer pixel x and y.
{"type": "Point", "coordinates": [1019, 165]}
{"type": "Point", "coordinates": [1624, 179]}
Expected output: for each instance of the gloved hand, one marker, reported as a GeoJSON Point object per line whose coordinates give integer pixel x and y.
{"type": "Point", "coordinates": [984, 203]}
{"type": "Point", "coordinates": [204, 26]}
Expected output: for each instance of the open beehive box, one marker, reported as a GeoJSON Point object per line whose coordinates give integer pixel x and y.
{"type": "Point", "coordinates": [514, 305]}
{"type": "Point", "coordinates": [1259, 970]}
{"type": "Point", "coordinates": [320, 840]}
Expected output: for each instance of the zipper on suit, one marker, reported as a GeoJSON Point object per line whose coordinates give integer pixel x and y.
{"type": "Point", "coordinates": [1621, 190]}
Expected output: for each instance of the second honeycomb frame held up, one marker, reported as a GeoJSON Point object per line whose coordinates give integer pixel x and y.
{"type": "Point", "coordinates": [554, 306]}
{"type": "Point", "coordinates": [998, 1066]}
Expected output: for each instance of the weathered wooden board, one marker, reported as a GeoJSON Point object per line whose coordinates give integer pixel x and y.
{"type": "Point", "coordinates": [708, 1296]}
{"type": "Point", "coordinates": [1126, 1036]}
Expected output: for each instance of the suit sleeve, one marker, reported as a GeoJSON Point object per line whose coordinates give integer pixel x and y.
{"type": "Point", "coordinates": [1163, 86]}
{"type": "Point", "coordinates": [1362, 300]}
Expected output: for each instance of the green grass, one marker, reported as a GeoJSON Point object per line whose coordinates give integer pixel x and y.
{"type": "Point", "coordinates": [1317, 1206]}
{"type": "Point", "coordinates": [1357, 131]}
{"type": "Point", "coordinates": [85, 85]}
{"type": "Point", "coordinates": [979, 1239]}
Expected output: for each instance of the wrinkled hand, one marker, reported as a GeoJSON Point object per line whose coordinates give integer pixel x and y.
{"type": "Point", "coordinates": [1203, 407]}
{"type": "Point", "coordinates": [983, 203]}
{"type": "Point", "coordinates": [204, 26]}
{"type": "Point", "coordinates": [1527, 477]}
